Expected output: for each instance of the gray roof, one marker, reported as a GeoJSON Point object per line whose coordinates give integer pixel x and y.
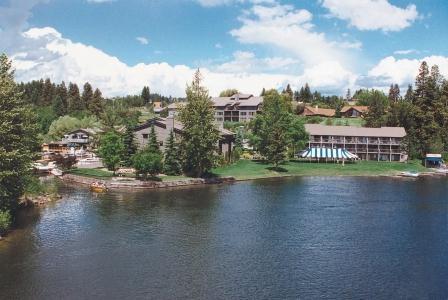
{"type": "Point", "coordinates": [176, 124]}
{"type": "Point", "coordinates": [240, 100]}
{"type": "Point", "coordinates": [317, 129]}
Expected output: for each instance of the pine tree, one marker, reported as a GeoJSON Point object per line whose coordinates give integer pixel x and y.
{"type": "Point", "coordinates": [96, 104]}
{"type": "Point", "coordinates": [427, 131]}
{"type": "Point", "coordinates": [146, 96]}
{"type": "Point", "coordinates": [200, 135]}
{"type": "Point", "coordinates": [263, 92]}
{"type": "Point", "coordinates": [289, 92]}
{"type": "Point", "coordinates": [47, 92]}
{"type": "Point", "coordinates": [409, 97]}
{"type": "Point", "coordinates": [73, 99]}
{"type": "Point", "coordinates": [171, 164]}
{"type": "Point", "coordinates": [308, 97]}
{"type": "Point", "coordinates": [61, 91]}
{"type": "Point", "coordinates": [58, 106]}
{"type": "Point", "coordinates": [18, 138]}
{"type": "Point", "coordinates": [394, 93]}
{"type": "Point", "coordinates": [375, 117]}
{"type": "Point", "coordinates": [87, 95]}
{"type": "Point", "coordinates": [153, 144]}
{"type": "Point", "coordinates": [130, 147]}
{"type": "Point", "coordinates": [348, 96]}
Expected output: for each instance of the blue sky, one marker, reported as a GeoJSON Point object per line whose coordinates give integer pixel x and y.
{"type": "Point", "coordinates": [332, 44]}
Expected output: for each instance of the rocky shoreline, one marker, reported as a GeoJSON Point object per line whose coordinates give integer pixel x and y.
{"type": "Point", "coordinates": [123, 183]}
{"type": "Point", "coordinates": [38, 200]}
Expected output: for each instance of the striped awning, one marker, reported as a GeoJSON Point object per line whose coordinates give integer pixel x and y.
{"type": "Point", "coordinates": [328, 153]}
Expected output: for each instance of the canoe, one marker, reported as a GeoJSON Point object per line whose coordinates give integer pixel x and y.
{"type": "Point", "coordinates": [98, 187]}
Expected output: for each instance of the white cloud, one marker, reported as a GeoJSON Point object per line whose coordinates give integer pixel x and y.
{"type": "Point", "coordinates": [142, 40]}
{"type": "Point", "coordinates": [405, 52]}
{"type": "Point", "coordinates": [247, 62]}
{"type": "Point", "coordinates": [401, 71]}
{"type": "Point", "coordinates": [61, 59]}
{"type": "Point", "coordinates": [372, 14]}
{"type": "Point", "coordinates": [218, 46]}
{"type": "Point", "coordinates": [291, 30]}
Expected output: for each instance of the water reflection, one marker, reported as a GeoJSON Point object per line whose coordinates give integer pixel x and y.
{"type": "Point", "coordinates": [276, 238]}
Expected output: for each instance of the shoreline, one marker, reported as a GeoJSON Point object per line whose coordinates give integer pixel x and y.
{"type": "Point", "coordinates": [120, 183]}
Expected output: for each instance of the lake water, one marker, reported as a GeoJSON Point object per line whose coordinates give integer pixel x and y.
{"type": "Point", "coordinates": [307, 238]}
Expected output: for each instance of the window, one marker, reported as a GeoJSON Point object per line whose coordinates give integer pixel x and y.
{"type": "Point", "coordinates": [251, 113]}
{"type": "Point", "coordinates": [242, 113]}
{"type": "Point", "coordinates": [219, 113]}
{"type": "Point", "coordinates": [145, 136]}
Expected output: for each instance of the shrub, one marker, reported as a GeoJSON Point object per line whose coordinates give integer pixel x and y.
{"type": "Point", "coordinates": [5, 221]}
{"type": "Point", "coordinates": [65, 162]}
{"type": "Point", "coordinates": [145, 163]}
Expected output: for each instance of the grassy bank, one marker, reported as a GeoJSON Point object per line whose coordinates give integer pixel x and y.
{"type": "Point", "coordinates": [245, 169]}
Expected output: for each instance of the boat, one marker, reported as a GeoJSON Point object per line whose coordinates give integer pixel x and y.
{"type": "Point", "coordinates": [56, 172]}
{"type": "Point", "coordinates": [409, 174]}
{"type": "Point", "coordinates": [98, 187]}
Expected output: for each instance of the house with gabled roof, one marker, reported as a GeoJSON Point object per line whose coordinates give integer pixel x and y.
{"type": "Point", "coordinates": [163, 127]}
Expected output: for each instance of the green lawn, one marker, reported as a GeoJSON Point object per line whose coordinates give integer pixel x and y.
{"type": "Point", "coordinates": [97, 173]}
{"type": "Point", "coordinates": [358, 122]}
{"type": "Point", "coordinates": [246, 169]}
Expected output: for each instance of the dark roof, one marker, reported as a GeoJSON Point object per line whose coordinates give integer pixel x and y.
{"type": "Point", "coordinates": [178, 126]}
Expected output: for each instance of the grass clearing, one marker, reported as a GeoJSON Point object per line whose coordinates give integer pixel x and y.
{"type": "Point", "coordinates": [247, 169]}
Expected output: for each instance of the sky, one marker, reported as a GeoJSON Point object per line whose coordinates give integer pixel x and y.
{"type": "Point", "coordinates": [120, 46]}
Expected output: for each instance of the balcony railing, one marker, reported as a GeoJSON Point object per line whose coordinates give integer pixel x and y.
{"type": "Point", "coordinates": [78, 141]}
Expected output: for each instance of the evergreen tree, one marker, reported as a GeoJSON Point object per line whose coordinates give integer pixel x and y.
{"type": "Point", "coordinates": [394, 93]}
{"type": "Point", "coordinates": [200, 136]}
{"type": "Point", "coordinates": [96, 104]}
{"type": "Point", "coordinates": [348, 96]}
{"type": "Point", "coordinates": [409, 97]}
{"type": "Point", "coordinates": [289, 92]}
{"type": "Point", "coordinates": [263, 92]}
{"type": "Point", "coordinates": [171, 164]}
{"type": "Point", "coordinates": [58, 106]}
{"type": "Point", "coordinates": [153, 144]}
{"type": "Point", "coordinates": [61, 91]}
{"type": "Point", "coordinates": [307, 93]}
{"type": "Point", "coordinates": [18, 139]}
{"type": "Point", "coordinates": [130, 147]}
{"type": "Point", "coordinates": [375, 117]}
{"type": "Point", "coordinates": [426, 130]}
{"type": "Point", "coordinates": [239, 139]}
{"type": "Point", "coordinates": [87, 96]}
{"type": "Point", "coordinates": [73, 99]}
{"type": "Point", "coordinates": [47, 92]}
{"type": "Point", "coordinates": [146, 96]}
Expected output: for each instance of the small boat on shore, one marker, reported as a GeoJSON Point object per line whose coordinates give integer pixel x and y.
{"type": "Point", "coordinates": [409, 174]}
{"type": "Point", "coordinates": [98, 187]}
{"type": "Point", "coordinates": [56, 172]}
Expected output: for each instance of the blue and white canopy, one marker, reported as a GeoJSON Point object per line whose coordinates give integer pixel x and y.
{"type": "Point", "coordinates": [328, 153]}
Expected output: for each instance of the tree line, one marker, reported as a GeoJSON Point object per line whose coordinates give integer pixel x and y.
{"type": "Point", "coordinates": [422, 111]}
